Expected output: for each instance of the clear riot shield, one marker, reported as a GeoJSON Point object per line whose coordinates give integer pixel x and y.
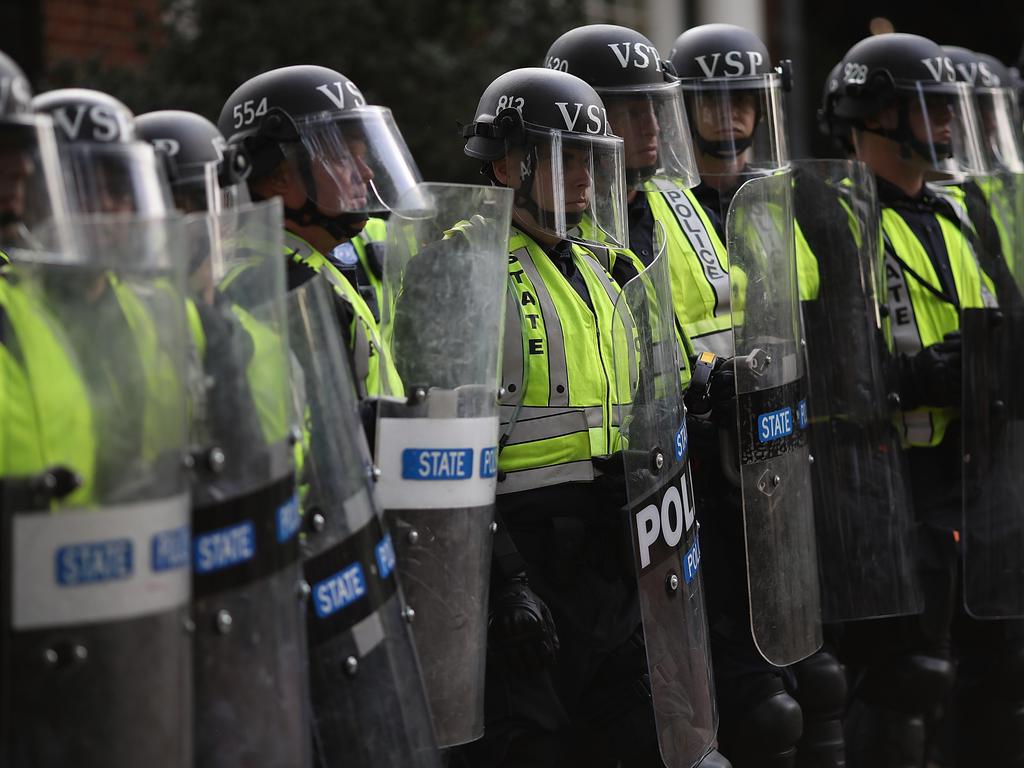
{"type": "Point", "coordinates": [249, 639]}
{"type": "Point", "coordinates": [771, 407]}
{"type": "Point", "coordinates": [444, 289]}
{"type": "Point", "coordinates": [992, 424]}
{"type": "Point", "coordinates": [861, 494]}
{"type": "Point", "coordinates": [95, 669]}
{"type": "Point", "coordinates": [666, 548]}
{"type": "Point", "coordinates": [368, 705]}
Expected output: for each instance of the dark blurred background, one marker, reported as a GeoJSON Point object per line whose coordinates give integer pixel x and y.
{"type": "Point", "coordinates": [429, 60]}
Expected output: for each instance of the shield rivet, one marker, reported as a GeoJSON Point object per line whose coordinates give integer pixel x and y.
{"type": "Point", "coordinates": [215, 460]}
{"type": "Point", "coordinates": [351, 665]}
{"type": "Point", "coordinates": [672, 582]}
{"type": "Point", "coordinates": [502, 392]}
{"type": "Point", "coordinates": [318, 521]}
{"type": "Point", "coordinates": [295, 435]}
{"type": "Point", "coordinates": [80, 652]}
{"type": "Point", "coordinates": [304, 590]}
{"type": "Point", "coordinates": [223, 621]}
{"type": "Point", "coordinates": [408, 614]}
{"type": "Point", "coordinates": [375, 473]}
{"type": "Point", "coordinates": [775, 481]}
{"type": "Point", "coordinates": [50, 657]}
{"type": "Point", "coordinates": [494, 527]}
{"type": "Point", "coordinates": [767, 360]}
{"type": "Point", "coordinates": [659, 460]}
{"type": "Point", "coordinates": [413, 537]}
{"type": "Point", "coordinates": [189, 626]}
{"type": "Point", "coordinates": [810, 458]}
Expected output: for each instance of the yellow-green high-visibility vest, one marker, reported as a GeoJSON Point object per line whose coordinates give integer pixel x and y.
{"type": "Point", "coordinates": [364, 335]}
{"type": "Point", "coordinates": [46, 416]}
{"type": "Point", "coordinates": [919, 315]}
{"type": "Point", "coordinates": [563, 358]}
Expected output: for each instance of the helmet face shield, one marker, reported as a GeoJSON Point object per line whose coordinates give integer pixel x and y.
{"type": "Point", "coordinates": [738, 117]}
{"type": "Point", "coordinates": [656, 135]}
{"type": "Point", "coordinates": [943, 127]}
{"type": "Point", "coordinates": [116, 178]}
{"type": "Point", "coordinates": [1000, 119]}
{"type": "Point", "coordinates": [32, 193]}
{"type": "Point", "coordinates": [353, 161]}
{"type": "Point", "coordinates": [559, 177]}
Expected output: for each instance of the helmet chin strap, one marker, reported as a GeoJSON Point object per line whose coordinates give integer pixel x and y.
{"type": "Point", "coordinates": [908, 143]}
{"type": "Point", "coordinates": [342, 226]}
{"type": "Point", "coordinates": [723, 150]}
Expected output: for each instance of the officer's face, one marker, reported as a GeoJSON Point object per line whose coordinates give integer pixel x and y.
{"type": "Point", "coordinates": [931, 122]}
{"type": "Point", "coordinates": [635, 121]}
{"type": "Point", "coordinates": [16, 168]}
{"type": "Point", "coordinates": [725, 116]}
{"type": "Point", "coordinates": [575, 180]}
{"type": "Point", "coordinates": [342, 179]}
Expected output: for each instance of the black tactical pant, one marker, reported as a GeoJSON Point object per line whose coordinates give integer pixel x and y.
{"type": "Point", "coordinates": [593, 707]}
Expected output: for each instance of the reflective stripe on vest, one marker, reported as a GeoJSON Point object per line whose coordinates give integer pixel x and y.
{"type": "Point", "coordinates": [699, 266]}
{"type": "Point", "coordinates": [364, 340]}
{"type": "Point", "coordinates": [569, 409]}
{"type": "Point", "coordinates": [957, 199]}
{"type": "Point", "coordinates": [918, 316]}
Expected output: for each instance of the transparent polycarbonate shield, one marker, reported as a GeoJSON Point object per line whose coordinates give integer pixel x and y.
{"type": "Point", "coordinates": [115, 178]}
{"type": "Point", "coordinates": [444, 289]}
{"type": "Point", "coordinates": [368, 703]}
{"type": "Point", "coordinates": [771, 406]}
{"type": "Point", "coordinates": [861, 494]}
{"type": "Point", "coordinates": [1002, 193]}
{"type": "Point", "coordinates": [992, 423]}
{"type": "Point", "coordinates": [666, 548]}
{"type": "Point", "coordinates": [249, 639]}
{"type": "Point", "coordinates": [96, 664]}
{"type": "Point", "coordinates": [947, 134]}
{"type": "Point", "coordinates": [1000, 119]}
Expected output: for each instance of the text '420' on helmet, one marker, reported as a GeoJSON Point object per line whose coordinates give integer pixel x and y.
{"type": "Point", "coordinates": [644, 100]}
{"type": "Point", "coordinates": [31, 187]}
{"type": "Point", "coordinates": [205, 174]}
{"type": "Point", "coordinates": [350, 155]}
{"type": "Point", "coordinates": [904, 87]}
{"type": "Point", "coordinates": [547, 133]}
{"type": "Point", "coordinates": [726, 74]}
{"type": "Point", "coordinates": [996, 103]}
{"type": "Point", "coordinates": [108, 168]}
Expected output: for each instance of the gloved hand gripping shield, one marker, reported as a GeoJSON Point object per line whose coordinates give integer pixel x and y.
{"type": "Point", "coordinates": [444, 287]}
{"type": "Point", "coordinates": [249, 640]}
{"type": "Point", "coordinates": [96, 668]}
{"type": "Point", "coordinates": [666, 546]}
{"type": "Point", "coordinates": [368, 704]}
{"type": "Point", "coordinates": [861, 492]}
{"type": "Point", "coordinates": [771, 406]}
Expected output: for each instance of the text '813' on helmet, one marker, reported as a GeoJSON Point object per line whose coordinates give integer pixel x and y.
{"type": "Point", "coordinates": [904, 87]}
{"type": "Point", "coordinates": [32, 193]}
{"type": "Point", "coordinates": [204, 173]}
{"type": "Point", "coordinates": [996, 103]}
{"type": "Point", "coordinates": [108, 168]}
{"type": "Point", "coordinates": [550, 132]}
{"type": "Point", "coordinates": [349, 155]}
{"type": "Point", "coordinates": [644, 100]}
{"type": "Point", "coordinates": [733, 95]}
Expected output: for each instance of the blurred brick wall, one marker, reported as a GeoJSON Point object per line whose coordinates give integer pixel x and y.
{"type": "Point", "coordinates": [113, 32]}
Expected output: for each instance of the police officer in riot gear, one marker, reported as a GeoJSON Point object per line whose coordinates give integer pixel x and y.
{"type": "Point", "coordinates": [910, 119]}
{"type": "Point", "coordinates": [334, 161]}
{"type": "Point", "coordinates": [566, 677]}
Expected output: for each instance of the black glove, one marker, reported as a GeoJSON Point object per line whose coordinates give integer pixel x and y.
{"type": "Point", "coordinates": [520, 627]}
{"type": "Point", "coordinates": [933, 375]}
{"type": "Point", "coordinates": [712, 386]}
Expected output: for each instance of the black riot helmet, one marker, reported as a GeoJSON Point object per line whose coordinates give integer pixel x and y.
{"type": "Point", "coordinates": [562, 160]}
{"type": "Point", "coordinates": [31, 186]}
{"type": "Point", "coordinates": [643, 99]}
{"type": "Point", "coordinates": [828, 123]}
{"type": "Point", "coordinates": [997, 106]}
{"type": "Point", "coordinates": [204, 174]}
{"type": "Point", "coordinates": [725, 71]}
{"type": "Point", "coordinates": [110, 169]}
{"type": "Point", "coordinates": [349, 155]}
{"type": "Point", "coordinates": [890, 79]}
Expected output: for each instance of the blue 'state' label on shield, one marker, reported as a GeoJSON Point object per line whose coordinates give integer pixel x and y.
{"type": "Point", "coordinates": [385, 552]}
{"type": "Point", "coordinates": [170, 549]}
{"type": "Point", "coordinates": [691, 561]}
{"type": "Point", "coordinates": [437, 463]}
{"type": "Point", "coordinates": [339, 590]}
{"type": "Point", "coordinates": [288, 520]}
{"type": "Point", "coordinates": [93, 562]}
{"type": "Point", "coordinates": [801, 414]}
{"type": "Point", "coordinates": [225, 547]}
{"type": "Point", "coordinates": [775, 425]}
{"type": "Point", "coordinates": [681, 442]}
{"type": "Point", "coordinates": [489, 461]}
